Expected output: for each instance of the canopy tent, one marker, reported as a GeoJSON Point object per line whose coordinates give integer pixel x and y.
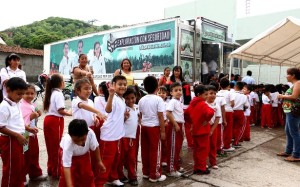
{"type": "Point", "coordinates": [278, 45]}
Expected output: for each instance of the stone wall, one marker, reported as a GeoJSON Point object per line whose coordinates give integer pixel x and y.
{"type": "Point", "coordinates": [32, 65]}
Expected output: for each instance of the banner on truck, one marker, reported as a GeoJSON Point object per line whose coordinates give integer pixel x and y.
{"type": "Point", "coordinates": [149, 48]}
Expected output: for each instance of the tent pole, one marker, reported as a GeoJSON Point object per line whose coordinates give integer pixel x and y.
{"type": "Point", "coordinates": [259, 72]}
{"type": "Point", "coordinates": [230, 68]}
{"type": "Point", "coordinates": [279, 73]}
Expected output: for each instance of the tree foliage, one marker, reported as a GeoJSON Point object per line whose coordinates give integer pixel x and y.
{"type": "Point", "coordinates": [52, 29]}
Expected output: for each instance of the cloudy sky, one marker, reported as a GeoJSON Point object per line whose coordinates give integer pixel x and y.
{"type": "Point", "coordinates": [112, 12]}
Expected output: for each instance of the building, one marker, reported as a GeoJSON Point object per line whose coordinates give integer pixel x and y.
{"type": "Point", "coordinates": [31, 60]}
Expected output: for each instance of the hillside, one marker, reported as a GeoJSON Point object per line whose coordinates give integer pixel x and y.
{"type": "Point", "coordinates": [52, 29]}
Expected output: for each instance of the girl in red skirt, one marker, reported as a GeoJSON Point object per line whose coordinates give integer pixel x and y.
{"type": "Point", "coordinates": [54, 105]}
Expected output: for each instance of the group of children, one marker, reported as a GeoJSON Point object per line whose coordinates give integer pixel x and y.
{"type": "Point", "coordinates": [103, 137]}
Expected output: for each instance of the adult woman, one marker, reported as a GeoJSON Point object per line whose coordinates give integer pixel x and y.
{"type": "Point", "coordinates": [163, 79]}
{"type": "Point", "coordinates": [12, 63]}
{"type": "Point", "coordinates": [83, 70]}
{"type": "Point", "coordinates": [98, 61]}
{"type": "Point", "coordinates": [176, 75]}
{"type": "Point", "coordinates": [125, 70]}
{"type": "Point", "coordinates": [292, 151]}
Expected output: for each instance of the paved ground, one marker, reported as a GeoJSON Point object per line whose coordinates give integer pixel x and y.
{"type": "Point", "coordinates": [255, 164]}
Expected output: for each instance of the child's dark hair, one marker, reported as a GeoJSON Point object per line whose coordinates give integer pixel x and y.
{"type": "Point", "coordinates": [78, 128]}
{"type": "Point", "coordinates": [103, 86]}
{"type": "Point", "coordinates": [130, 90]}
{"type": "Point", "coordinates": [163, 88]}
{"type": "Point", "coordinates": [79, 83]}
{"type": "Point", "coordinates": [231, 84]}
{"type": "Point", "coordinates": [11, 57]}
{"type": "Point", "coordinates": [150, 84]}
{"type": "Point", "coordinates": [16, 83]}
{"type": "Point", "coordinates": [248, 86]}
{"type": "Point", "coordinates": [200, 89]}
{"type": "Point", "coordinates": [239, 85]}
{"type": "Point", "coordinates": [279, 88]}
{"type": "Point", "coordinates": [224, 83]}
{"type": "Point", "coordinates": [31, 86]}
{"type": "Point", "coordinates": [55, 81]}
{"type": "Point", "coordinates": [186, 90]}
{"type": "Point", "coordinates": [173, 85]}
{"type": "Point", "coordinates": [215, 84]}
{"type": "Point", "coordinates": [211, 87]}
{"type": "Point", "coordinates": [272, 88]}
{"type": "Point", "coordinates": [117, 78]}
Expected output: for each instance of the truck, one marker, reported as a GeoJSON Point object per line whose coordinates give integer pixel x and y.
{"type": "Point", "coordinates": [150, 46]}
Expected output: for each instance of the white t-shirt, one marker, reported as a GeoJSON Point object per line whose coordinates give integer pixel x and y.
{"type": "Point", "coordinates": [253, 97]}
{"type": "Point", "coordinates": [71, 149]}
{"type": "Point", "coordinates": [221, 102]}
{"type": "Point", "coordinates": [57, 101]}
{"type": "Point", "coordinates": [113, 127]}
{"type": "Point", "coordinates": [265, 99]}
{"type": "Point", "coordinates": [274, 99]}
{"type": "Point", "coordinates": [247, 112]}
{"type": "Point", "coordinates": [7, 73]}
{"type": "Point", "coordinates": [98, 65]}
{"type": "Point", "coordinates": [132, 122]}
{"type": "Point", "coordinates": [228, 96]}
{"type": "Point", "coordinates": [204, 68]}
{"type": "Point", "coordinates": [100, 104]}
{"type": "Point", "coordinates": [217, 113]}
{"type": "Point", "coordinates": [149, 106]}
{"type": "Point", "coordinates": [240, 100]}
{"type": "Point", "coordinates": [176, 107]}
{"type": "Point", "coordinates": [79, 113]}
{"type": "Point", "coordinates": [65, 66]}
{"type": "Point", "coordinates": [11, 116]}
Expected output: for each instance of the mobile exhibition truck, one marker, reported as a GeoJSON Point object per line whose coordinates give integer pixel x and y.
{"type": "Point", "coordinates": [150, 46]}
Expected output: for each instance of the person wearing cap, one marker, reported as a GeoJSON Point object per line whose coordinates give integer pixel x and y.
{"type": "Point", "coordinates": [11, 69]}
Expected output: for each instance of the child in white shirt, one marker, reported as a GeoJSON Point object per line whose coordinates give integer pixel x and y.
{"type": "Point", "coordinates": [77, 146]}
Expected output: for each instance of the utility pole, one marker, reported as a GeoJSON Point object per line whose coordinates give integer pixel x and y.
{"type": "Point", "coordinates": [92, 21]}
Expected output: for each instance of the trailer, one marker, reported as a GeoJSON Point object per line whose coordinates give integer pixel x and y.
{"type": "Point", "coordinates": [150, 46]}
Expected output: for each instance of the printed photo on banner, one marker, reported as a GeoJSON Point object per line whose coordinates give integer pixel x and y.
{"type": "Point", "coordinates": [150, 49]}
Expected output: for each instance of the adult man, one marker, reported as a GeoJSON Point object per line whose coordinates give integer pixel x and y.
{"type": "Point", "coordinates": [248, 79]}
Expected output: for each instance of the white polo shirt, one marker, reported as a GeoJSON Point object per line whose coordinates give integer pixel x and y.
{"type": "Point", "coordinates": [217, 113]}
{"type": "Point", "coordinates": [240, 100]}
{"type": "Point", "coordinates": [57, 101]}
{"type": "Point", "coordinates": [7, 73]}
{"type": "Point", "coordinates": [247, 112]}
{"type": "Point", "coordinates": [71, 149]}
{"type": "Point", "coordinates": [79, 113]}
{"type": "Point", "coordinates": [149, 106]}
{"type": "Point", "coordinates": [265, 99]}
{"type": "Point", "coordinates": [131, 124]}
{"type": "Point", "coordinates": [220, 100]}
{"type": "Point", "coordinates": [11, 116]}
{"type": "Point", "coordinates": [113, 127]}
{"type": "Point", "coordinates": [100, 104]}
{"type": "Point", "coordinates": [274, 99]}
{"type": "Point", "coordinates": [228, 96]}
{"type": "Point", "coordinates": [176, 107]}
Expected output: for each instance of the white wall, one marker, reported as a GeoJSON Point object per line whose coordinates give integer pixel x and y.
{"type": "Point", "coordinates": [268, 74]}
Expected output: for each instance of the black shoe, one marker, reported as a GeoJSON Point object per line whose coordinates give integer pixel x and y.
{"type": "Point", "coordinates": [124, 180]}
{"type": "Point", "coordinates": [237, 146]}
{"type": "Point", "coordinates": [133, 182]}
{"type": "Point", "coordinates": [201, 172]}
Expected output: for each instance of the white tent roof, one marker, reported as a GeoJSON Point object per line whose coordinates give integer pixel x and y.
{"type": "Point", "coordinates": [278, 45]}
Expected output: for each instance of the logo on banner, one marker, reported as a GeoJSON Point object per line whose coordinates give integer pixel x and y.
{"type": "Point", "coordinates": [159, 36]}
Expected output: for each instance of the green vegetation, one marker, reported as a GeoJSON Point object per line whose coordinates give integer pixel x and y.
{"type": "Point", "coordinates": [52, 29]}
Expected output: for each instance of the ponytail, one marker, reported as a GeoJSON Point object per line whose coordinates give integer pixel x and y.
{"type": "Point", "coordinates": [55, 81]}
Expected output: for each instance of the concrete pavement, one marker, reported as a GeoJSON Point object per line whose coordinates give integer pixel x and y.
{"type": "Point", "coordinates": [254, 164]}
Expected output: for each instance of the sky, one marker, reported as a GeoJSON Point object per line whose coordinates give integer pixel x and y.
{"type": "Point", "coordinates": [113, 12]}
